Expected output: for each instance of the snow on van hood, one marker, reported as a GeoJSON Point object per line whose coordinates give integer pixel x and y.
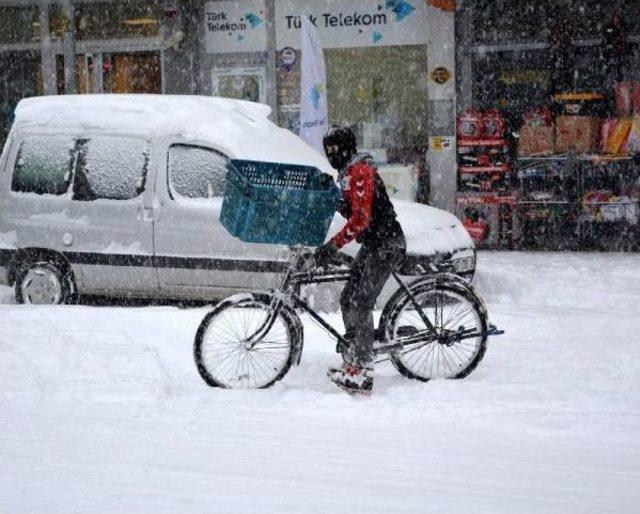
{"type": "Point", "coordinates": [429, 231]}
{"type": "Point", "coordinates": [238, 128]}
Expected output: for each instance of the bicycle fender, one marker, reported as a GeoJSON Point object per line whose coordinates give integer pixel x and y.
{"type": "Point", "coordinates": [450, 279]}
{"type": "Point", "coordinates": [298, 332]}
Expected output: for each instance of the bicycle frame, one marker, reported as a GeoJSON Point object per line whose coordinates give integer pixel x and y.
{"type": "Point", "coordinates": [292, 282]}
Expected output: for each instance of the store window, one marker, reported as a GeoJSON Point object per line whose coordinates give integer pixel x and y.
{"type": "Point", "coordinates": [43, 165]}
{"type": "Point", "coordinates": [94, 20]}
{"type": "Point", "coordinates": [511, 81]}
{"type": "Point", "coordinates": [19, 24]}
{"type": "Point", "coordinates": [196, 172]}
{"type": "Point", "coordinates": [21, 77]}
{"type": "Point", "coordinates": [133, 72]}
{"type": "Point", "coordinates": [500, 21]}
{"type": "Point", "coordinates": [117, 19]}
{"type": "Point", "coordinates": [112, 168]}
{"type": "Point", "coordinates": [545, 154]}
{"type": "Point", "coordinates": [381, 92]}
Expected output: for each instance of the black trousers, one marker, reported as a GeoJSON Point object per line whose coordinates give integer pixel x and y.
{"type": "Point", "coordinates": [371, 270]}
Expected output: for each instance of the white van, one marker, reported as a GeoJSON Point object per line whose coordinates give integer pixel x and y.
{"type": "Point", "coordinates": [120, 196]}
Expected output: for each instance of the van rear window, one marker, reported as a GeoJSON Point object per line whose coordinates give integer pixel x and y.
{"type": "Point", "coordinates": [44, 165]}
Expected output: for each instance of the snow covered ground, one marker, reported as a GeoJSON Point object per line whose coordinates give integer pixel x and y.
{"type": "Point", "coordinates": [101, 410]}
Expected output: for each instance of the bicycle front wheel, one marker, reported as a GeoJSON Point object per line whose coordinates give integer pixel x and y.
{"type": "Point", "coordinates": [227, 353]}
{"type": "Point", "coordinates": [454, 346]}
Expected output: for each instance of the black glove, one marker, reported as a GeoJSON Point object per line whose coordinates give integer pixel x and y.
{"type": "Point", "coordinates": [324, 254]}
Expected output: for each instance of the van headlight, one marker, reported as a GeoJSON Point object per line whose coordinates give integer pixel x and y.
{"type": "Point", "coordinates": [464, 264]}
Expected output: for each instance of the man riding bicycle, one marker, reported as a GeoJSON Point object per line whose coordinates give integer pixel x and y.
{"type": "Point", "coordinates": [372, 222]}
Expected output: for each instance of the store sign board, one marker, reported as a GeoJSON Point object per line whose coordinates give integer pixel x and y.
{"type": "Point", "coordinates": [231, 26]}
{"type": "Point", "coordinates": [353, 23]}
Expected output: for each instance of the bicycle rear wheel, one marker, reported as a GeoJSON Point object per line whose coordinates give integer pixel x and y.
{"type": "Point", "coordinates": [228, 356]}
{"type": "Point", "coordinates": [456, 345]}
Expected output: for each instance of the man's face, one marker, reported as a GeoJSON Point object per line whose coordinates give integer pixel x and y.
{"type": "Point", "coordinates": [331, 150]}
{"type": "Point", "coordinates": [336, 158]}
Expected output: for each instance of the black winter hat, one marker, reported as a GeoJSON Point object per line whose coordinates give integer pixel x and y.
{"type": "Point", "coordinates": [345, 140]}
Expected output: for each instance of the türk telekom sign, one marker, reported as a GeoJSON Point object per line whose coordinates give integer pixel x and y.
{"type": "Point", "coordinates": [240, 26]}
{"type": "Point", "coordinates": [353, 23]}
{"type": "Point", "coordinates": [235, 26]}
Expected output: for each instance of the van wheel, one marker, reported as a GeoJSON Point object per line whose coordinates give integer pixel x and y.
{"type": "Point", "coordinates": [44, 283]}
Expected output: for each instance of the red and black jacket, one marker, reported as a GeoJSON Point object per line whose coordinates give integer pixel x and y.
{"type": "Point", "coordinates": [371, 217]}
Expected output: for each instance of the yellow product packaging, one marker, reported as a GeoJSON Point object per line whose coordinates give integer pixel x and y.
{"type": "Point", "coordinates": [618, 139]}
{"type": "Point", "coordinates": [634, 136]}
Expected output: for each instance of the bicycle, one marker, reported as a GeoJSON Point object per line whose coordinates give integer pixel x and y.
{"type": "Point", "coordinates": [436, 326]}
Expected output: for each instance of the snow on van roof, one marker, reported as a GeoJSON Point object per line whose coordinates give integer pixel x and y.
{"type": "Point", "coordinates": [238, 128]}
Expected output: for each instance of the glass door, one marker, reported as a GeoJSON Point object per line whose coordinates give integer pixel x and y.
{"type": "Point", "coordinates": [135, 72]}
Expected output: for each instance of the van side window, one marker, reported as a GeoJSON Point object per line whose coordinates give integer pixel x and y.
{"type": "Point", "coordinates": [113, 168]}
{"type": "Point", "coordinates": [196, 172]}
{"type": "Point", "coordinates": [44, 165]}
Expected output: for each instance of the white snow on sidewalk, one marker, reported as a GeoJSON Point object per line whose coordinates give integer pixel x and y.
{"type": "Point", "coordinates": [102, 410]}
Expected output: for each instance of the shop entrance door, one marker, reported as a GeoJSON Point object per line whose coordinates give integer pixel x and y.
{"type": "Point", "coordinates": [136, 72]}
{"type": "Point", "coordinates": [131, 72]}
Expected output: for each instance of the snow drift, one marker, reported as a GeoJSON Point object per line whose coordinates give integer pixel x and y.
{"type": "Point", "coordinates": [103, 411]}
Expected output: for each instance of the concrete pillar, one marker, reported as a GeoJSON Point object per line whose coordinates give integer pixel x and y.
{"type": "Point", "coordinates": [69, 47]}
{"type": "Point", "coordinates": [181, 36]}
{"type": "Point", "coordinates": [441, 62]}
{"type": "Point", "coordinates": [272, 79]}
{"type": "Point", "coordinates": [46, 51]}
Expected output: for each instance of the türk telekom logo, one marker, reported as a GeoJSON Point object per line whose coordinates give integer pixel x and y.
{"type": "Point", "coordinates": [220, 21]}
{"type": "Point", "coordinates": [401, 8]}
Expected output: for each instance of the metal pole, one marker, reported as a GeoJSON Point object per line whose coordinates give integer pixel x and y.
{"type": "Point", "coordinates": [69, 47]}
{"type": "Point", "coordinates": [271, 85]}
{"type": "Point", "coordinates": [49, 85]}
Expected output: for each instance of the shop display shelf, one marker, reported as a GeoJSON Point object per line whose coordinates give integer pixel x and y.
{"type": "Point", "coordinates": [462, 143]}
{"type": "Point", "coordinates": [579, 157]}
{"type": "Point", "coordinates": [598, 224]}
{"type": "Point", "coordinates": [503, 168]}
{"type": "Point", "coordinates": [545, 202]}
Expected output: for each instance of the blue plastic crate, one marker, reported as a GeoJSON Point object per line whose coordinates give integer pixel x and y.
{"type": "Point", "coordinates": [278, 203]}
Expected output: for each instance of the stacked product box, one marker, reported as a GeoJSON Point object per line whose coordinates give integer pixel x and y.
{"type": "Point", "coordinates": [485, 179]}
{"type": "Point", "coordinates": [488, 218]}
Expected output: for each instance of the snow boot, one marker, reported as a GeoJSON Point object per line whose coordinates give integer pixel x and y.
{"type": "Point", "coordinates": [353, 379]}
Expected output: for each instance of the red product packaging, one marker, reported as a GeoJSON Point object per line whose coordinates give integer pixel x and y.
{"type": "Point", "coordinates": [493, 124]}
{"type": "Point", "coordinates": [478, 230]}
{"type": "Point", "coordinates": [606, 129]}
{"type": "Point", "coordinates": [470, 126]}
{"type": "Point", "coordinates": [635, 97]}
{"type": "Point", "coordinates": [624, 98]}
